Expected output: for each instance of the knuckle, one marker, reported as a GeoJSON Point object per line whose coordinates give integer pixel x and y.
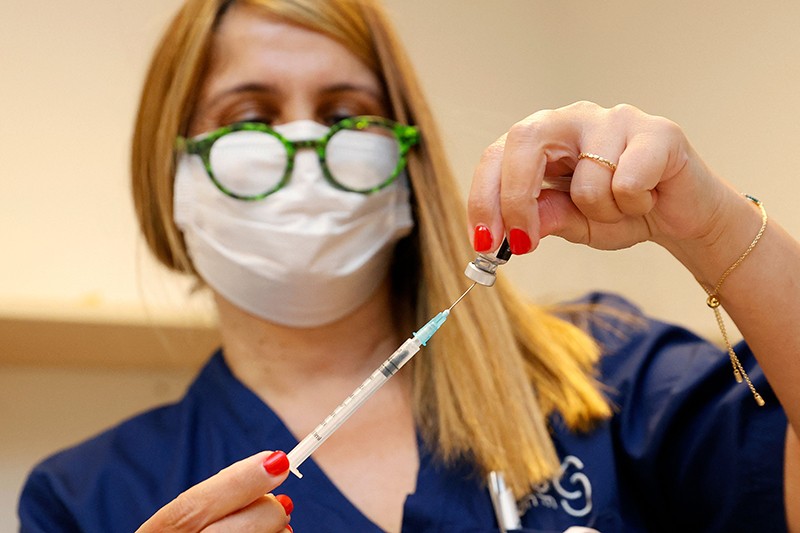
{"type": "Point", "coordinates": [479, 210]}
{"type": "Point", "coordinates": [622, 114]}
{"type": "Point", "coordinates": [625, 186]}
{"type": "Point", "coordinates": [627, 114]}
{"type": "Point", "coordinates": [515, 199]}
{"type": "Point", "coordinates": [586, 194]}
{"type": "Point", "coordinates": [524, 130]}
{"type": "Point", "coordinates": [530, 127]}
{"type": "Point", "coordinates": [478, 203]}
{"type": "Point", "coordinates": [595, 203]}
{"type": "Point", "coordinates": [624, 109]}
{"type": "Point", "coordinates": [183, 514]}
{"type": "Point", "coordinates": [584, 106]}
{"type": "Point", "coordinates": [481, 201]}
{"type": "Point", "coordinates": [666, 128]}
{"type": "Point", "coordinates": [549, 210]}
{"type": "Point", "coordinates": [631, 197]}
{"type": "Point", "coordinates": [492, 153]}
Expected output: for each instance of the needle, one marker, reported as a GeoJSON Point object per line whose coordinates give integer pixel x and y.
{"type": "Point", "coordinates": [461, 297]}
{"type": "Point", "coordinates": [401, 356]}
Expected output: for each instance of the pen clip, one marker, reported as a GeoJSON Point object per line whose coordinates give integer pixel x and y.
{"type": "Point", "coordinates": [505, 507]}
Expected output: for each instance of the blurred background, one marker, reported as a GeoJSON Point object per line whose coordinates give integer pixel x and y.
{"type": "Point", "coordinates": [92, 331]}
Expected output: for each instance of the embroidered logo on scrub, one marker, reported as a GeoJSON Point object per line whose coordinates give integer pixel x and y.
{"type": "Point", "coordinates": [572, 491]}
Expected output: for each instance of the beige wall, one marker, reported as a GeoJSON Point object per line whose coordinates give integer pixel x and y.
{"type": "Point", "coordinates": [727, 72]}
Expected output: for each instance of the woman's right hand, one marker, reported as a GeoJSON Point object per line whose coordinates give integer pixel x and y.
{"type": "Point", "coordinates": [235, 499]}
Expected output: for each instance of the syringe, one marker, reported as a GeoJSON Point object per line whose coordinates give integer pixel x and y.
{"type": "Point", "coordinates": [370, 386]}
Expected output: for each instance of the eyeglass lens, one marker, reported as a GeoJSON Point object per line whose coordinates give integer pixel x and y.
{"type": "Point", "coordinates": [251, 163]}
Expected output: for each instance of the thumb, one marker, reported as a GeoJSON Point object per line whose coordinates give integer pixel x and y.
{"type": "Point", "coordinates": [232, 489]}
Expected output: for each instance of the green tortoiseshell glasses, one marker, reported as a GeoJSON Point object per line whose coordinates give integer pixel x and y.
{"type": "Point", "coordinates": [250, 160]}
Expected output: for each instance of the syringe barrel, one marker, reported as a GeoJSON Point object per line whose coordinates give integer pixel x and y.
{"type": "Point", "coordinates": [350, 405]}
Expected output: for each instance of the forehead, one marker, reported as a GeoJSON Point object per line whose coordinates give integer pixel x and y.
{"type": "Point", "coordinates": [251, 46]}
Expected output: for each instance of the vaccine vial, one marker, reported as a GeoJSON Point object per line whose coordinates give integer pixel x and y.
{"type": "Point", "coordinates": [483, 270]}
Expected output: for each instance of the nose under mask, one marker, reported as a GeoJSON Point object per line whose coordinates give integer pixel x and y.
{"type": "Point", "coordinates": [307, 255]}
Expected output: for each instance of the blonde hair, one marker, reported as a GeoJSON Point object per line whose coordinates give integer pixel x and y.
{"type": "Point", "coordinates": [489, 380]}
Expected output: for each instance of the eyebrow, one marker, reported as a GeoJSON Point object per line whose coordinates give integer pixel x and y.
{"type": "Point", "coordinates": [352, 87]}
{"type": "Point", "coordinates": [243, 88]}
{"type": "Point", "coordinates": [270, 89]}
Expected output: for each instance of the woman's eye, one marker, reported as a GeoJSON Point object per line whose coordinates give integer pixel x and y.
{"type": "Point", "coordinates": [264, 118]}
{"type": "Point", "coordinates": [333, 118]}
{"type": "Point", "coordinates": [353, 105]}
{"type": "Point", "coordinates": [247, 112]}
{"type": "Point", "coordinates": [260, 120]}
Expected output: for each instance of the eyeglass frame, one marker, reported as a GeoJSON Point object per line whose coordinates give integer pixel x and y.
{"type": "Point", "coordinates": [406, 137]}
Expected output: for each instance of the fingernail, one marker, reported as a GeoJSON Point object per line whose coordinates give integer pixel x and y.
{"type": "Point", "coordinates": [276, 463]}
{"type": "Point", "coordinates": [289, 528]}
{"type": "Point", "coordinates": [287, 503]}
{"type": "Point", "coordinates": [519, 241]}
{"type": "Point", "coordinates": [482, 240]}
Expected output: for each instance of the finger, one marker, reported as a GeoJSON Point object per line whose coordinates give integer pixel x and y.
{"type": "Point", "coordinates": [541, 138]}
{"type": "Point", "coordinates": [645, 162]}
{"type": "Point", "coordinates": [483, 204]}
{"type": "Point", "coordinates": [591, 187]}
{"type": "Point", "coordinates": [233, 488]}
{"type": "Point", "coordinates": [559, 216]}
{"type": "Point", "coordinates": [267, 514]}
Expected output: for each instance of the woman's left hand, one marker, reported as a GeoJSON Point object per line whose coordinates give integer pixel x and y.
{"type": "Point", "coordinates": [660, 190]}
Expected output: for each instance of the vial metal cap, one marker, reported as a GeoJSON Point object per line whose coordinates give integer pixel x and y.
{"type": "Point", "coordinates": [481, 277]}
{"type": "Point", "coordinates": [483, 269]}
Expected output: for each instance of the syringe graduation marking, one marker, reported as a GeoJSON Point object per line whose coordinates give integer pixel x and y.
{"type": "Point", "coordinates": [368, 387]}
{"type": "Point", "coordinates": [396, 360]}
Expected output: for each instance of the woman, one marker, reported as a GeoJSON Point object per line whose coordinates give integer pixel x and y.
{"type": "Point", "coordinates": [322, 263]}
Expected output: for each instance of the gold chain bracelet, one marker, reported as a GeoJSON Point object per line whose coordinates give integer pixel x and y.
{"type": "Point", "coordinates": [713, 302]}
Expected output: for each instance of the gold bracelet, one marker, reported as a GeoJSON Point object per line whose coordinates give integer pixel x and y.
{"type": "Point", "coordinates": [714, 303]}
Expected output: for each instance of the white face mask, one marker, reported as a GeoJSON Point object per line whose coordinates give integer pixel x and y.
{"type": "Point", "coordinates": [304, 256]}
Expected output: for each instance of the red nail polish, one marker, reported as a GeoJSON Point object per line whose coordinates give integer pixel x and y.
{"type": "Point", "coordinates": [287, 503]}
{"type": "Point", "coordinates": [519, 241]}
{"type": "Point", "coordinates": [289, 528]}
{"type": "Point", "coordinates": [276, 463]}
{"type": "Point", "coordinates": [482, 240]}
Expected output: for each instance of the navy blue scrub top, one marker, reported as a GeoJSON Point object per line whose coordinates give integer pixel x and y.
{"type": "Point", "coordinates": [687, 450]}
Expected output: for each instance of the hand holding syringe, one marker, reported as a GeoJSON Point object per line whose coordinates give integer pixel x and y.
{"type": "Point", "coordinates": [350, 405]}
